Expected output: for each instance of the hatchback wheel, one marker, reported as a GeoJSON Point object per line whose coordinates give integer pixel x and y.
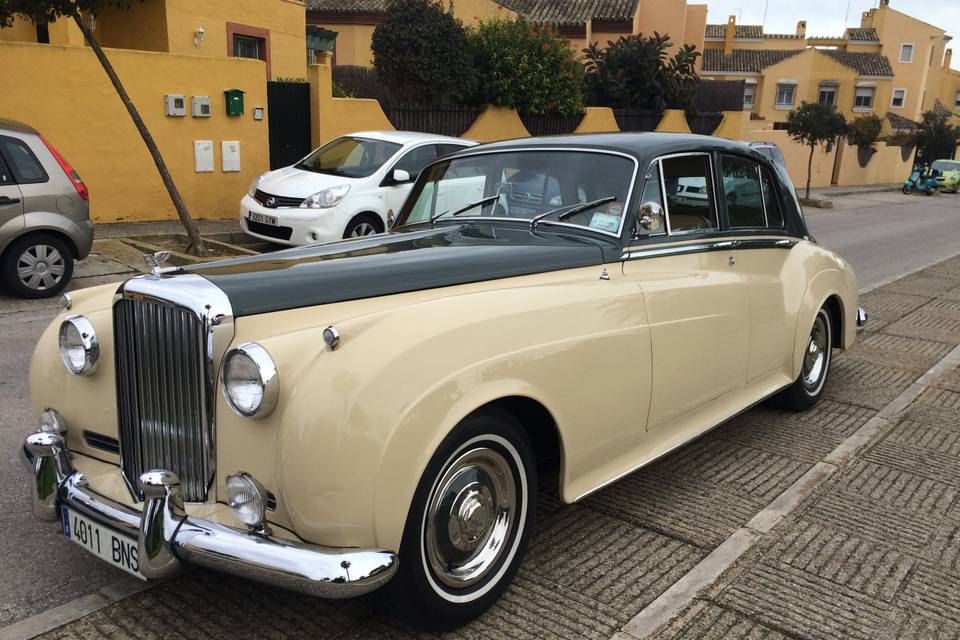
{"type": "Point", "coordinates": [468, 525]}
{"type": "Point", "coordinates": [37, 266]}
{"type": "Point", "coordinates": [361, 226]}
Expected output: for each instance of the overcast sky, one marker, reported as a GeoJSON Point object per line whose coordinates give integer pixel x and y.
{"type": "Point", "coordinates": [826, 17]}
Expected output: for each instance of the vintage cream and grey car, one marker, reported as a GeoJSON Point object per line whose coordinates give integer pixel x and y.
{"type": "Point", "coordinates": [373, 412]}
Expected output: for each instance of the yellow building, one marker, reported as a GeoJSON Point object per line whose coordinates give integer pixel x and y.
{"type": "Point", "coordinates": [176, 59]}
{"type": "Point", "coordinates": [580, 22]}
{"type": "Point", "coordinates": [892, 65]}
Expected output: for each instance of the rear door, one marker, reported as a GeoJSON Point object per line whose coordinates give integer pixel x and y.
{"type": "Point", "coordinates": [763, 250]}
{"type": "Point", "coordinates": [11, 205]}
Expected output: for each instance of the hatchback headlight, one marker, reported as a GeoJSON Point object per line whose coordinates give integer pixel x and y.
{"type": "Point", "coordinates": [256, 183]}
{"type": "Point", "coordinates": [250, 382]}
{"type": "Point", "coordinates": [79, 348]}
{"type": "Point", "coordinates": [327, 198]}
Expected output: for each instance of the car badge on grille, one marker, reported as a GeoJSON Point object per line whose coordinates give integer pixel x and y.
{"type": "Point", "coordinates": [271, 201]}
{"type": "Point", "coordinates": [155, 262]}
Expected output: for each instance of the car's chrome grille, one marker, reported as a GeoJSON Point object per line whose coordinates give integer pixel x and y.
{"type": "Point", "coordinates": [274, 201]}
{"type": "Point", "coordinates": [162, 394]}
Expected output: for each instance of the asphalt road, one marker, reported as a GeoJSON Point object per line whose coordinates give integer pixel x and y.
{"type": "Point", "coordinates": [886, 235]}
{"type": "Point", "coordinates": [883, 235]}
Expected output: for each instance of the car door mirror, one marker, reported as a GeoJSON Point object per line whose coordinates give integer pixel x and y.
{"type": "Point", "coordinates": [400, 176]}
{"type": "Point", "coordinates": [649, 218]}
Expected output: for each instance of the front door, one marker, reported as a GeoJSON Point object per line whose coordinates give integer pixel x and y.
{"type": "Point", "coordinates": [695, 298]}
{"type": "Point", "coordinates": [412, 162]}
{"type": "Point", "coordinates": [11, 204]}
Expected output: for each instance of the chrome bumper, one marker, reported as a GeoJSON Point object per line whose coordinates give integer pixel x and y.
{"type": "Point", "coordinates": [167, 538]}
{"type": "Point", "coordinates": [861, 319]}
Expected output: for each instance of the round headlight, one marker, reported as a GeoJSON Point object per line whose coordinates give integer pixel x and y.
{"type": "Point", "coordinates": [250, 382]}
{"type": "Point", "coordinates": [79, 348]}
{"type": "Point", "coordinates": [247, 499]}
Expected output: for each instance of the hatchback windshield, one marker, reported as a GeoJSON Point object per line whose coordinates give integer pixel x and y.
{"type": "Point", "coordinates": [350, 157]}
{"type": "Point", "coordinates": [945, 165]}
{"type": "Point", "coordinates": [523, 185]}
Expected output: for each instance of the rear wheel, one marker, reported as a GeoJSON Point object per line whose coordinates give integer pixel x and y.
{"type": "Point", "coordinates": [808, 387]}
{"type": "Point", "coordinates": [468, 525]}
{"type": "Point", "coordinates": [37, 266]}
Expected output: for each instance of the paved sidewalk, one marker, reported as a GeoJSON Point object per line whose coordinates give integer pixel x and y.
{"type": "Point", "coordinates": [873, 552]}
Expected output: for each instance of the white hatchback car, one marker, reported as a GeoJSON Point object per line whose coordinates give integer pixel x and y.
{"type": "Point", "coordinates": [349, 187]}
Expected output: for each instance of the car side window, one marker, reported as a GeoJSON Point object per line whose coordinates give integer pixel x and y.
{"type": "Point", "coordinates": [447, 149]}
{"type": "Point", "coordinates": [24, 165]}
{"type": "Point", "coordinates": [771, 203]}
{"type": "Point", "coordinates": [416, 159]}
{"type": "Point", "coordinates": [5, 177]}
{"type": "Point", "coordinates": [689, 193]}
{"type": "Point", "coordinates": [742, 192]}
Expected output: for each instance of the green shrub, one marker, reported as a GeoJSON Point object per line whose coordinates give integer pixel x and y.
{"type": "Point", "coordinates": [420, 50]}
{"type": "Point", "coordinates": [525, 65]}
{"type": "Point", "coordinates": [864, 130]}
{"type": "Point", "coordinates": [340, 92]}
{"type": "Point", "coordinates": [635, 72]}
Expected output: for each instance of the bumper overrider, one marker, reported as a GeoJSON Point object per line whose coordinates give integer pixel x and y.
{"type": "Point", "coordinates": [168, 538]}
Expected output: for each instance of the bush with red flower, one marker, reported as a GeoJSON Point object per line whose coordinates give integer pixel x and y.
{"type": "Point", "coordinates": [524, 65]}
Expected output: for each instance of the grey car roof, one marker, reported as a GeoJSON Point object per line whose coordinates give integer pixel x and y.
{"type": "Point", "coordinates": [16, 126]}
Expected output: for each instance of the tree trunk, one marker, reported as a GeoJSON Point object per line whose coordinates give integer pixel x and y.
{"type": "Point", "coordinates": [193, 234]}
{"type": "Point", "coordinates": [809, 170]}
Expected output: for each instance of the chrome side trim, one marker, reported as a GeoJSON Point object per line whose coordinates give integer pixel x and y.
{"type": "Point", "coordinates": [167, 538]}
{"type": "Point", "coordinates": [712, 245]}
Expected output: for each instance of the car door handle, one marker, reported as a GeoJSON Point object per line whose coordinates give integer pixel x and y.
{"type": "Point", "coordinates": [4, 200]}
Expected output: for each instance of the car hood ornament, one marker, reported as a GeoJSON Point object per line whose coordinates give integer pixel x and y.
{"type": "Point", "coordinates": [155, 262]}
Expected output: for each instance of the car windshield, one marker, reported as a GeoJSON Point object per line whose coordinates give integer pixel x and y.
{"type": "Point", "coordinates": [349, 157]}
{"type": "Point", "coordinates": [945, 165]}
{"type": "Point", "coordinates": [523, 185]}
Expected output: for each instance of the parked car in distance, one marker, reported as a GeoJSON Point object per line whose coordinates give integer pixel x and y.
{"type": "Point", "coordinates": [376, 412]}
{"type": "Point", "coordinates": [345, 189]}
{"type": "Point", "coordinates": [44, 214]}
{"type": "Point", "coordinates": [949, 178]}
{"type": "Point", "coordinates": [771, 150]}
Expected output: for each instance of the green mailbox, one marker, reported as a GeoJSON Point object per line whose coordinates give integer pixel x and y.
{"type": "Point", "coordinates": [234, 98]}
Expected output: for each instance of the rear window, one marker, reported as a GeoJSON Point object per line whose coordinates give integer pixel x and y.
{"type": "Point", "coordinates": [24, 165]}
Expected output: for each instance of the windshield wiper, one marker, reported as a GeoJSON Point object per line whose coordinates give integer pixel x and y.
{"type": "Point", "coordinates": [472, 205]}
{"type": "Point", "coordinates": [566, 212]}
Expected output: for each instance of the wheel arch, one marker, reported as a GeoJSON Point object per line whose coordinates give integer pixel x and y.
{"type": "Point", "coordinates": [371, 215]}
{"type": "Point", "coordinates": [44, 231]}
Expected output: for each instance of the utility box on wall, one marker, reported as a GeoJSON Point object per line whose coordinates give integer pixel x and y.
{"type": "Point", "coordinates": [201, 106]}
{"type": "Point", "coordinates": [203, 155]}
{"type": "Point", "coordinates": [230, 155]}
{"type": "Point", "coordinates": [175, 105]}
{"type": "Point", "coordinates": [234, 100]}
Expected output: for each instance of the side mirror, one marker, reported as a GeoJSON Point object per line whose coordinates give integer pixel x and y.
{"type": "Point", "coordinates": [649, 218]}
{"type": "Point", "coordinates": [400, 176]}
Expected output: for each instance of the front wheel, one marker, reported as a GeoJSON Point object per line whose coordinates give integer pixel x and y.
{"type": "Point", "coordinates": [906, 189]}
{"type": "Point", "coordinates": [808, 387]}
{"type": "Point", "coordinates": [468, 525]}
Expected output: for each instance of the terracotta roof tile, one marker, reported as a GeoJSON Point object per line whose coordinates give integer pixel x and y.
{"type": "Point", "coordinates": [348, 6]}
{"type": "Point", "coordinates": [752, 31]}
{"type": "Point", "coordinates": [561, 12]}
{"type": "Point", "coordinates": [866, 64]}
{"type": "Point", "coordinates": [862, 34]}
{"type": "Point", "coordinates": [745, 60]}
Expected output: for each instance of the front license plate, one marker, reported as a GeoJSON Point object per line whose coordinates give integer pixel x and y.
{"type": "Point", "coordinates": [101, 541]}
{"type": "Point", "coordinates": [262, 218]}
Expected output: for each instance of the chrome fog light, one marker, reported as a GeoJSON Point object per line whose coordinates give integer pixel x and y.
{"type": "Point", "coordinates": [250, 382]}
{"type": "Point", "coordinates": [247, 499]}
{"type": "Point", "coordinates": [79, 348]}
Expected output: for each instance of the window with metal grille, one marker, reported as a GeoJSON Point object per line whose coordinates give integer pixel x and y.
{"type": "Point", "coordinates": [249, 47]}
{"type": "Point", "coordinates": [863, 98]}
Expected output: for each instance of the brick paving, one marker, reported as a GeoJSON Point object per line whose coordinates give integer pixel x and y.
{"type": "Point", "coordinates": [873, 552]}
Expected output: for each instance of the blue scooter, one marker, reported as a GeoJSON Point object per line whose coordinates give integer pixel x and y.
{"type": "Point", "coordinates": [923, 181]}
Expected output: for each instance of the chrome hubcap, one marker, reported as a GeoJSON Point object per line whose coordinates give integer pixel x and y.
{"type": "Point", "coordinates": [470, 516]}
{"type": "Point", "coordinates": [40, 267]}
{"type": "Point", "coordinates": [363, 229]}
{"type": "Point", "coordinates": [815, 357]}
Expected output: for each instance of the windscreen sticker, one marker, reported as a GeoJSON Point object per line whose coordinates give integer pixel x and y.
{"type": "Point", "coordinates": [605, 222]}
